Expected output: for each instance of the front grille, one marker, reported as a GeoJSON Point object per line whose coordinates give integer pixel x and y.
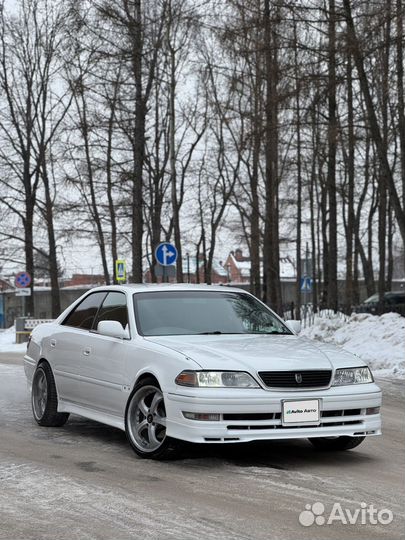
{"type": "Point", "coordinates": [302, 426]}
{"type": "Point", "coordinates": [345, 412]}
{"type": "Point", "coordinates": [296, 379]}
{"type": "Point", "coordinates": [256, 416]}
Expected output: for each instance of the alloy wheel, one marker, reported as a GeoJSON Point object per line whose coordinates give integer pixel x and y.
{"type": "Point", "coordinates": [39, 393]}
{"type": "Point", "coordinates": [147, 419]}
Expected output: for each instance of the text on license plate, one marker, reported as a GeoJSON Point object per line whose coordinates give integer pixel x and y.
{"type": "Point", "coordinates": [297, 412]}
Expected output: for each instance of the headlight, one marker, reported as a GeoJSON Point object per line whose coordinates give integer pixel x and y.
{"type": "Point", "coordinates": [352, 376]}
{"type": "Point", "coordinates": [216, 379]}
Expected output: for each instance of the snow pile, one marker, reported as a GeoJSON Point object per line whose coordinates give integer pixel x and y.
{"type": "Point", "coordinates": [7, 341]}
{"type": "Point", "coordinates": [378, 340]}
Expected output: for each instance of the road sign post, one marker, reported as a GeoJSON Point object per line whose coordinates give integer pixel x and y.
{"type": "Point", "coordinates": [166, 255]}
{"type": "Point", "coordinates": [167, 271]}
{"type": "Point", "coordinates": [306, 287]}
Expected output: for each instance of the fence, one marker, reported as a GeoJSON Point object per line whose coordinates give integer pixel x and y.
{"type": "Point", "coordinates": [308, 314]}
{"type": "Point", "coordinates": [24, 326]}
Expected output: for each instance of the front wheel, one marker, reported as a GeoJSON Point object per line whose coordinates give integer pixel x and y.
{"type": "Point", "coordinates": [44, 398]}
{"type": "Point", "coordinates": [336, 443]}
{"type": "Point", "coordinates": [145, 423]}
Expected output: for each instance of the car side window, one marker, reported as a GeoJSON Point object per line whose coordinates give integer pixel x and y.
{"type": "Point", "coordinates": [114, 308]}
{"type": "Point", "coordinates": [83, 315]}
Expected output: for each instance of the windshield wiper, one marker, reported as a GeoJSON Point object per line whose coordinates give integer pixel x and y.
{"type": "Point", "coordinates": [217, 333]}
{"type": "Point", "coordinates": [275, 333]}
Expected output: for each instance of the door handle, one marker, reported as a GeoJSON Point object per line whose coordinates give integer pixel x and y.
{"type": "Point", "coordinates": [53, 342]}
{"type": "Point", "coordinates": [87, 351]}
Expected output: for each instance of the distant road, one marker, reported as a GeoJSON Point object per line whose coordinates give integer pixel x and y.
{"type": "Point", "coordinates": [83, 481]}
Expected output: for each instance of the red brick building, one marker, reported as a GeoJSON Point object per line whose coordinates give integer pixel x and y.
{"type": "Point", "coordinates": [238, 266]}
{"type": "Point", "coordinates": [190, 272]}
{"type": "Point", "coordinates": [84, 279]}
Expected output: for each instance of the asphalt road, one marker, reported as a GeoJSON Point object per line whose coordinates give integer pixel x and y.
{"type": "Point", "coordinates": [83, 481]}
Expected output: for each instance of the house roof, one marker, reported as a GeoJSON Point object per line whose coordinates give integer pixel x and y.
{"type": "Point", "coordinates": [287, 268]}
{"type": "Point", "coordinates": [216, 266]}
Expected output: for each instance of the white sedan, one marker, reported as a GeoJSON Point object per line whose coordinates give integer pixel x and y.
{"type": "Point", "coordinates": [206, 364]}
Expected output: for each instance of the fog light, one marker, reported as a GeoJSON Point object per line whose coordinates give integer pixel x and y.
{"type": "Point", "coordinates": [210, 417]}
{"type": "Point", "coordinates": [373, 410]}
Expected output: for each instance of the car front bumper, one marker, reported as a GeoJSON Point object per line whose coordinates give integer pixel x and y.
{"type": "Point", "coordinates": [343, 412]}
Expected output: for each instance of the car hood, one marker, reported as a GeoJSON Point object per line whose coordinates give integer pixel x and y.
{"type": "Point", "coordinates": [258, 352]}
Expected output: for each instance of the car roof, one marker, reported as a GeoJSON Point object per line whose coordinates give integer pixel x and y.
{"type": "Point", "coordinates": [154, 287]}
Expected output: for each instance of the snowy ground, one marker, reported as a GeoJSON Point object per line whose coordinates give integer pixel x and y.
{"type": "Point", "coordinates": [7, 341]}
{"type": "Point", "coordinates": [378, 340]}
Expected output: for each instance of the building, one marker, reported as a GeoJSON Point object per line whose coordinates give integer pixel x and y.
{"type": "Point", "coordinates": [191, 272]}
{"type": "Point", "coordinates": [238, 267]}
{"type": "Point", "coordinates": [84, 279]}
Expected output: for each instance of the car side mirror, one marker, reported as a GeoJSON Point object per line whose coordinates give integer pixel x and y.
{"type": "Point", "coordinates": [112, 329]}
{"type": "Point", "coordinates": [294, 326]}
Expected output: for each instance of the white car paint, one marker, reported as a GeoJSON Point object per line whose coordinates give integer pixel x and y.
{"type": "Point", "coordinates": [95, 375]}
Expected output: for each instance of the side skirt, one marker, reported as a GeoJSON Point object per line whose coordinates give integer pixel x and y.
{"type": "Point", "coordinates": [92, 414]}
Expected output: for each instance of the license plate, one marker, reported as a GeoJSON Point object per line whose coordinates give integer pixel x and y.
{"type": "Point", "coordinates": [300, 412]}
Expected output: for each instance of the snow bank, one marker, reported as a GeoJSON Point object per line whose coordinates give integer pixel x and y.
{"type": "Point", "coordinates": [7, 341]}
{"type": "Point", "coordinates": [378, 340]}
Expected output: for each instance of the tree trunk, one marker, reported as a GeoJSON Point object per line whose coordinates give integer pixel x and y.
{"type": "Point", "coordinates": [53, 258]}
{"type": "Point", "coordinates": [331, 174]}
{"type": "Point", "coordinates": [271, 249]}
{"type": "Point", "coordinates": [254, 187]}
{"type": "Point", "coordinates": [386, 173]}
{"type": "Point", "coordinates": [349, 300]}
{"type": "Point", "coordinates": [400, 89]}
{"type": "Point", "coordinates": [84, 126]}
{"type": "Point", "coordinates": [109, 156]}
{"type": "Point", "coordinates": [173, 174]}
{"type": "Point", "coordinates": [29, 251]}
{"type": "Point", "coordinates": [138, 146]}
{"type": "Point", "coordinates": [299, 180]}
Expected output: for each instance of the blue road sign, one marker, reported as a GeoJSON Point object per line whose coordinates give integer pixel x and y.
{"type": "Point", "coordinates": [166, 254]}
{"type": "Point", "coordinates": [22, 280]}
{"type": "Point", "coordinates": [306, 284]}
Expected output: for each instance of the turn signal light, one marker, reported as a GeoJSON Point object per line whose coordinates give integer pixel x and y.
{"type": "Point", "coordinates": [187, 378]}
{"type": "Point", "coordinates": [373, 410]}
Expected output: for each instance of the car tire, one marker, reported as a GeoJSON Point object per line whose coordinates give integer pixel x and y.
{"type": "Point", "coordinates": [336, 443]}
{"type": "Point", "coordinates": [44, 398]}
{"type": "Point", "coordinates": [145, 421]}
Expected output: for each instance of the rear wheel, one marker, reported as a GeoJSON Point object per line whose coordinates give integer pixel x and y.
{"type": "Point", "coordinates": [336, 443]}
{"type": "Point", "coordinates": [44, 398]}
{"type": "Point", "coordinates": [145, 423]}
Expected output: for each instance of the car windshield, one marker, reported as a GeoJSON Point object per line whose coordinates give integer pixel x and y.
{"type": "Point", "coordinates": [372, 299]}
{"type": "Point", "coordinates": [389, 297]}
{"type": "Point", "coordinates": [169, 313]}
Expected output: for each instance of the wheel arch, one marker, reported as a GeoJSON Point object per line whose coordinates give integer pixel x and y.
{"type": "Point", "coordinates": [43, 360]}
{"type": "Point", "coordinates": [145, 375]}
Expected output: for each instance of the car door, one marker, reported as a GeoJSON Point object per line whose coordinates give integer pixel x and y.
{"type": "Point", "coordinates": [103, 362]}
{"type": "Point", "coordinates": [68, 343]}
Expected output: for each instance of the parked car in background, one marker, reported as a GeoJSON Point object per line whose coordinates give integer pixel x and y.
{"type": "Point", "coordinates": [393, 301]}
{"type": "Point", "coordinates": [205, 364]}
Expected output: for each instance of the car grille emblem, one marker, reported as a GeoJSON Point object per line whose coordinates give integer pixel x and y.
{"type": "Point", "coordinates": [298, 378]}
